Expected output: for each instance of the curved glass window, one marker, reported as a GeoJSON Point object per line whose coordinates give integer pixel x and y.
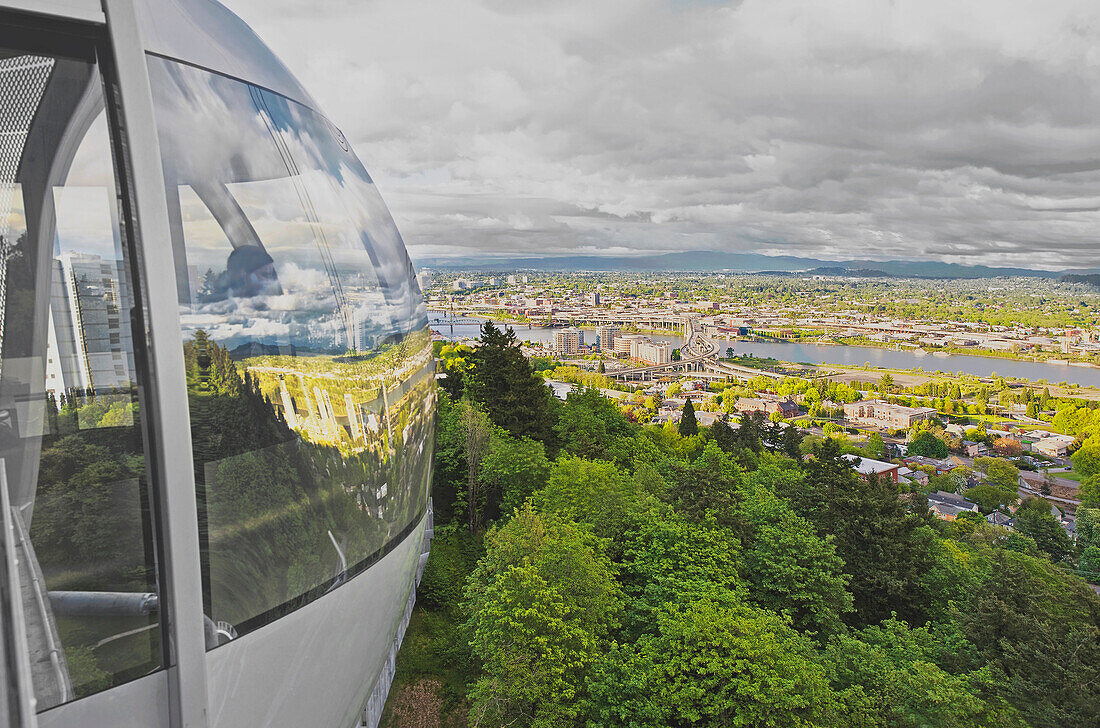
{"type": "Point", "coordinates": [310, 375]}
{"type": "Point", "coordinates": [72, 448]}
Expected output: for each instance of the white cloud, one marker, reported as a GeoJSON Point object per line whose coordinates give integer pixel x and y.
{"type": "Point", "coordinates": [961, 131]}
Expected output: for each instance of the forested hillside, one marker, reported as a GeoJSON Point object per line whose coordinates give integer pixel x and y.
{"type": "Point", "coordinates": [590, 571]}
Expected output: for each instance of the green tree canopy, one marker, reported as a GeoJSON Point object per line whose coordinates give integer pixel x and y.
{"type": "Point", "coordinates": [667, 558]}
{"type": "Point", "coordinates": [1039, 630]}
{"type": "Point", "coordinates": [999, 473]}
{"type": "Point", "coordinates": [891, 675]}
{"type": "Point", "coordinates": [927, 444]}
{"type": "Point", "coordinates": [990, 498]}
{"type": "Point", "coordinates": [541, 602]}
{"type": "Point", "coordinates": [713, 665]}
{"type": "Point", "coordinates": [513, 469]}
{"type": "Point", "coordinates": [590, 491]}
{"type": "Point", "coordinates": [1034, 519]}
{"type": "Point", "coordinates": [591, 426]}
{"type": "Point", "coordinates": [791, 568]}
{"type": "Point", "coordinates": [710, 487]}
{"type": "Point", "coordinates": [883, 546]}
{"type": "Point", "coordinates": [875, 446]}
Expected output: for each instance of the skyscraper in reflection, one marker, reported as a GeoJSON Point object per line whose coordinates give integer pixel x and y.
{"type": "Point", "coordinates": [89, 344]}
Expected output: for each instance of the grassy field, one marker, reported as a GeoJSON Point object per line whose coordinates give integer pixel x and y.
{"type": "Point", "coordinates": [1069, 475]}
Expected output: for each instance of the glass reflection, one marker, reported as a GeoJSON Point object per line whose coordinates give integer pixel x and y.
{"type": "Point", "coordinates": [310, 376]}
{"type": "Point", "coordinates": [72, 455]}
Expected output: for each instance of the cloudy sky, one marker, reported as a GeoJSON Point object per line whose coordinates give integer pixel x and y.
{"type": "Point", "coordinates": [959, 130]}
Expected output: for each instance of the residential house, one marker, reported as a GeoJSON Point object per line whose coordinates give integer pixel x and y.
{"type": "Point", "coordinates": [948, 506]}
{"type": "Point", "coordinates": [941, 466]}
{"type": "Point", "coordinates": [919, 477]}
{"type": "Point", "coordinates": [867, 466]}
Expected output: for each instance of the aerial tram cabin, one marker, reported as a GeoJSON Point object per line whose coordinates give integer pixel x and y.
{"type": "Point", "coordinates": [216, 383]}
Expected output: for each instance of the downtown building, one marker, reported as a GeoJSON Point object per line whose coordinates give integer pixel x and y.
{"type": "Point", "coordinates": [608, 334]}
{"type": "Point", "coordinates": [89, 345]}
{"type": "Point", "coordinates": [568, 342]}
{"type": "Point", "coordinates": [638, 346]}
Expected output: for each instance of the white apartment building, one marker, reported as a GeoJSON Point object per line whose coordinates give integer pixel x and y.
{"type": "Point", "coordinates": [653, 352]}
{"type": "Point", "coordinates": [627, 344]}
{"type": "Point", "coordinates": [637, 346]}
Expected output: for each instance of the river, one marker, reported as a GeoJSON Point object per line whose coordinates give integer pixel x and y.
{"type": "Point", "coordinates": [470, 328]}
{"type": "Point", "coordinates": [825, 354]}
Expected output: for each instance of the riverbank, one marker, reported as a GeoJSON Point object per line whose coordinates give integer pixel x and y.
{"type": "Point", "coordinates": [843, 357]}
{"type": "Point", "coordinates": [1042, 357]}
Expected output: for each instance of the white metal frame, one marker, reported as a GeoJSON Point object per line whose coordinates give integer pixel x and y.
{"type": "Point", "coordinates": [173, 472]}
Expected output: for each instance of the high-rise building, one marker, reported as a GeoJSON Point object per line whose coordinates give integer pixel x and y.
{"type": "Point", "coordinates": [89, 340]}
{"type": "Point", "coordinates": [607, 337]}
{"type": "Point", "coordinates": [627, 344]}
{"type": "Point", "coordinates": [567, 341]}
{"type": "Point", "coordinates": [654, 352]}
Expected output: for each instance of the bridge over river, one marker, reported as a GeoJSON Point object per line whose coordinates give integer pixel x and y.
{"type": "Point", "coordinates": [696, 355]}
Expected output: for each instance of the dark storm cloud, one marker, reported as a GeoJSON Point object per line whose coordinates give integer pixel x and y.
{"type": "Point", "coordinates": [963, 131]}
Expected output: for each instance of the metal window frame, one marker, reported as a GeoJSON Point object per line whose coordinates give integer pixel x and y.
{"type": "Point", "coordinates": [135, 159]}
{"type": "Point", "coordinates": [173, 478]}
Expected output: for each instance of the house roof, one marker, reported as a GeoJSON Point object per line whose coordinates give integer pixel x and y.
{"type": "Point", "coordinates": [866, 466]}
{"type": "Point", "coordinates": [952, 499]}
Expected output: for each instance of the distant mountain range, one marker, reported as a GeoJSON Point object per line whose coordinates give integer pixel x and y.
{"type": "Point", "coordinates": [714, 261]}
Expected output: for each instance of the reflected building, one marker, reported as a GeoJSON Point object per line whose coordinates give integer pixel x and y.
{"type": "Point", "coordinates": [89, 344]}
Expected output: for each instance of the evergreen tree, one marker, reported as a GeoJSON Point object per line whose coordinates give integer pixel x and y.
{"type": "Point", "coordinates": [881, 543]}
{"type": "Point", "coordinates": [506, 385]}
{"type": "Point", "coordinates": [748, 435]}
{"type": "Point", "coordinates": [1039, 629]}
{"type": "Point", "coordinates": [791, 442]}
{"type": "Point", "coordinates": [688, 425]}
{"type": "Point", "coordinates": [709, 487]}
{"type": "Point", "coordinates": [723, 436]}
{"type": "Point", "coordinates": [875, 447]}
{"type": "Point", "coordinates": [1034, 519]}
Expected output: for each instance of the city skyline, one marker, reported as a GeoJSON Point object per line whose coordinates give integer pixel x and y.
{"type": "Point", "coordinates": [962, 133]}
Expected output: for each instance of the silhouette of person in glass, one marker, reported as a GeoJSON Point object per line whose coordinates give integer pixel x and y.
{"type": "Point", "coordinates": [249, 272]}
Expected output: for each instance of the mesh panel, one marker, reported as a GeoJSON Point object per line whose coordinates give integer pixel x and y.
{"type": "Point", "coordinates": [22, 83]}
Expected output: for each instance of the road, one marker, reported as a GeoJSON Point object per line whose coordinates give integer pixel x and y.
{"type": "Point", "coordinates": [695, 350]}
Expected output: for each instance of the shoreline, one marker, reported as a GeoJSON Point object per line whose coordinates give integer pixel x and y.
{"type": "Point", "coordinates": [1058, 366]}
